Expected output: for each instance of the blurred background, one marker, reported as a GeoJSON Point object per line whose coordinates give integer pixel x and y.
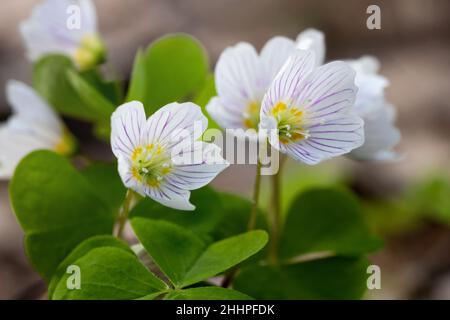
{"type": "Point", "coordinates": [408, 202]}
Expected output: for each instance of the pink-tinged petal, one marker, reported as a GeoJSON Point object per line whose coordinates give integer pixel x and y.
{"type": "Point", "coordinates": [314, 40]}
{"type": "Point", "coordinates": [238, 77]}
{"type": "Point", "coordinates": [274, 55]}
{"type": "Point", "coordinates": [336, 137]}
{"type": "Point", "coordinates": [328, 91]}
{"type": "Point", "coordinates": [197, 166]}
{"type": "Point", "coordinates": [286, 85]}
{"type": "Point", "coordinates": [127, 128]}
{"type": "Point", "coordinates": [176, 123]}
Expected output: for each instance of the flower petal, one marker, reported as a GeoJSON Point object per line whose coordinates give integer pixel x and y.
{"type": "Point", "coordinates": [46, 30]}
{"type": "Point", "coordinates": [274, 55]}
{"type": "Point", "coordinates": [225, 118]}
{"type": "Point", "coordinates": [238, 76]}
{"type": "Point", "coordinates": [285, 87]}
{"type": "Point", "coordinates": [176, 123]}
{"type": "Point", "coordinates": [171, 197]}
{"type": "Point", "coordinates": [27, 104]}
{"type": "Point", "coordinates": [336, 137]}
{"type": "Point", "coordinates": [127, 128]}
{"type": "Point", "coordinates": [197, 166]}
{"type": "Point", "coordinates": [312, 39]}
{"type": "Point", "coordinates": [381, 135]}
{"type": "Point", "coordinates": [328, 91]}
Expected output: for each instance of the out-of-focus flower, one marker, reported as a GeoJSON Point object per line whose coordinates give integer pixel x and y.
{"type": "Point", "coordinates": [55, 28]}
{"type": "Point", "coordinates": [243, 77]}
{"type": "Point", "coordinates": [33, 125]}
{"type": "Point", "coordinates": [161, 157]}
{"type": "Point", "coordinates": [380, 132]}
{"type": "Point", "coordinates": [381, 135]}
{"type": "Point", "coordinates": [310, 109]}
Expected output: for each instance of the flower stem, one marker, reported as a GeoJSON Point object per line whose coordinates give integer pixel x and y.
{"type": "Point", "coordinates": [256, 191]}
{"type": "Point", "coordinates": [275, 214]}
{"type": "Point", "coordinates": [123, 213]}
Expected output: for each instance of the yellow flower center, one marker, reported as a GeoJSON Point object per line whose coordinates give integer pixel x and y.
{"type": "Point", "coordinates": [150, 164]}
{"type": "Point", "coordinates": [290, 123]}
{"type": "Point", "coordinates": [66, 145]}
{"type": "Point", "coordinates": [90, 53]}
{"type": "Point", "coordinates": [251, 115]}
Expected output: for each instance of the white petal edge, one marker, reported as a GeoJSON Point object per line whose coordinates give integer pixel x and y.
{"type": "Point", "coordinates": [312, 39]}
{"type": "Point", "coordinates": [127, 128]}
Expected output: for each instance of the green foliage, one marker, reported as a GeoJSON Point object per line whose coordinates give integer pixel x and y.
{"type": "Point", "coordinates": [110, 273]}
{"type": "Point", "coordinates": [57, 209]}
{"type": "Point", "coordinates": [172, 69]}
{"type": "Point", "coordinates": [81, 250]}
{"type": "Point", "coordinates": [206, 293]}
{"type": "Point", "coordinates": [326, 220]}
{"type": "Point", "coordinates": [186, 258]}
{"type": "Point", "coordinates": [331, 278]}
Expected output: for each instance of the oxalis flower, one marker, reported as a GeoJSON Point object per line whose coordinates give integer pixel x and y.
{"type": "Point", "coordinates": [33, 125]}
{"type": "Point", "coordinates": [309, 109]}
{"type": "Point", "coordinates": [67, 27]}
{"type": "Point", "coordinates": [381, 135]}
{"type": "Point", "coordinates": [242, 78]}
{"type": "Point", "coordinates": [160, 157]}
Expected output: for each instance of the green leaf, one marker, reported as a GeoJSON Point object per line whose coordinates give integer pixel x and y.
{"type": "Point", "coordinates": [110, 273]}
{"type": "Point", "coordinates": [332, 278]}
{"type": "Point", "coordinates": [235, 217]}
{"type": "Point", "coordinates": [50, 80]}
{"type": "Point", "coordinates": [224, 254]}
{"type": "Point", "coordinates": [81, 250]}
{"type": "Point", "coordinates": [206, 217]}
{"type": "Point", "coordinates": [206, 293]}
{"type": "Point", "coordinates": [97, 103]}
{"type": "Point", "coordinates": [137, 88]}
{"type": "Point", "coordinates": [185, 257]}
{"type": "Point", "coordinates": [57, 209]}
{"type": "Point", "coordinates": [326, 220]}
{"type": "Point", "coordinates": [173, 248]}
{"type": "Point", "coordinates": [107, 183]}
{"type": "Point", "coordinates": [176, 66]}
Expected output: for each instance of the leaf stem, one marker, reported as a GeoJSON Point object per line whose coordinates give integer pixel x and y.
{"type": "Point", "coordinates": [275, 213]}
{"type": "Point", "coordinates": [123, 213]}
{"type": "Point", "coordinates": [256, 192]}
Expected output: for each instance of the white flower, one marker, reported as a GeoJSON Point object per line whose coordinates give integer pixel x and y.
{"type": "Point", "coordinates": [49, 30]}
{"type": "Point", "coordinates": [309, 109]}
{"type": "Point", "coordinates": [149, 152]}
{"type": "Point", "coordinates": [380, 132]}
{"type": "Point", "coordinates": [33, 125]}
{"type": "Point", "coordinates": [243, 77]}
{"type": "Point", "coordinates": [379, 115]}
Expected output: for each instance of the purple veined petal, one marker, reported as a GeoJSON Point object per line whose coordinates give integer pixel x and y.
{"type": "Point", "coordinates": [285, 87]}
{"type": "Point", "coordinates": [273, 56]}
{"type": "Point", "coordinates": [314, 40]}
{"type": "Point", "coordinates": [176, 123]}
{"type": "Point", "coordinates": [199, 164]}
{"type": "Point", "coordinates": [127, 128]}
{"type": "Point", "coordinates": [170, 196]}
{"type": "Point", "coordinates": [337, 137]}
{"type": "Point", "coordinates": [328, 91]}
